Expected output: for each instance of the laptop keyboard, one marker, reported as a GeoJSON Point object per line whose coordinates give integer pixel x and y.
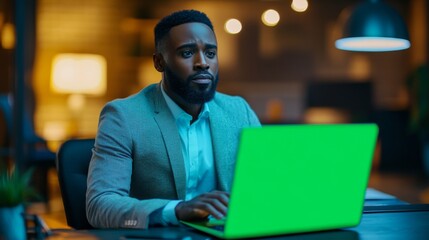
{"type": "Point", "coordinates": [217, 224]}
{"type": "Point", "coordinates": [218, 227]}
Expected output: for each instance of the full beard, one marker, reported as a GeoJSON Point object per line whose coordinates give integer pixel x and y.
{"type": "Point", "coordinates": [186, 89]}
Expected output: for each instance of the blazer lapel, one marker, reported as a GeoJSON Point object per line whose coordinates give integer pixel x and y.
{"type": "Point", "coordinates": [224, 161]}
{"type": "Point", "coordinates": [170, 134]}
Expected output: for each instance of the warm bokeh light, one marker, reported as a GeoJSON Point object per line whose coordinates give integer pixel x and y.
{"type": "Point", "coordinates": [76, 102]}
{"type": "Point", "coordinates": [274, 110]}
{"type": "Point", "coordinates": [8, 36]}
{"type": "Point", "coordinates": [299, 5]}
{"type": "Point", "coordinates": [233, 26]}
{"type": "Point", "coordinates": [270, 17]}
{"type": "Point", "coordinates": [319, 115]}
{"type": "Point", "coordinates": [79, 73]}
{"type": "Point", "coordinates": [55, 130]}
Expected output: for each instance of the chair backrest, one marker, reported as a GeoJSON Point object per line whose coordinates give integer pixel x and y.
{"type": "Point", "coordinates": [73, 159]}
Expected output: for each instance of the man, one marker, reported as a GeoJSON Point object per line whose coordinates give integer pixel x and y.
{"type": "Point", "coordinates": [168, 152]}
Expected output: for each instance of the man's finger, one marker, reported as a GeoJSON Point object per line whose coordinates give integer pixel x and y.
{"type": "Point", "coordinates": [221, 196]}
{"type": "Point", "coordinates": [210, 209]}
{"type": "Point", "coordinates": [218, 205]}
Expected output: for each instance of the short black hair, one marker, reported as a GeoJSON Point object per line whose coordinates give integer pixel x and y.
{"type": "Point", "coordinates": [178, 18]}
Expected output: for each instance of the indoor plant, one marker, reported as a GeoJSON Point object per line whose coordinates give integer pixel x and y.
{"type": "Point", "coordinates": [14, 192]}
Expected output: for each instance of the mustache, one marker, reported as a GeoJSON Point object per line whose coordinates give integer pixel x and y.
{"type": "Point", "coordinates": [201, 74]}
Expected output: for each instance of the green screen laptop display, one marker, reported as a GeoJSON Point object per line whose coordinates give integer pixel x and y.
{"type": "Point", "coordinates": [298, 178]}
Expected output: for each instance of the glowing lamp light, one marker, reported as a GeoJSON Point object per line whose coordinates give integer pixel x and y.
{"type": "Point", "coordinates": [233, 26]}
{"type": "Point", "coordinates": [270, 17]}
{"type": "Point", "coordinates": [372, 44]}
{"type": "Point", "coordinates": [79, 73]}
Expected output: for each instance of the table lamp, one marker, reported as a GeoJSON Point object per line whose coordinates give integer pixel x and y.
{"type": "Point", "coordinates": [78, 75]}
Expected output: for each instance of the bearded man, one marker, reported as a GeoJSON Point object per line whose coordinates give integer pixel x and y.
{"type": "Point", "coordinates": [168, 152]}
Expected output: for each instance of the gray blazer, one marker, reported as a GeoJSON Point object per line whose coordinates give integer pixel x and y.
{"type": "Point", "coordinates": [137, 165]}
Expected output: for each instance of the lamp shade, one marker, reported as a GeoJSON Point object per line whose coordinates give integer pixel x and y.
{"type": "Point", "coordinates": [372, 26]}
{"type": "Point", "coordinates": [79, 74]}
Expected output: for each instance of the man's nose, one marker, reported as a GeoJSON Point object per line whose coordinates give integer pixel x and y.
{"type": "Point", "coordinates": [201, 62]}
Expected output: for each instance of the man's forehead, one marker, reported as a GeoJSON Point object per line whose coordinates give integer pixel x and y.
{"type": "Point", "coordinates": [192, 31]}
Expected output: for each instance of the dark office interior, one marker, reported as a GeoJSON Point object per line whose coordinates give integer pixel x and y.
{"type": "Point", "coordinates": [290, 73]}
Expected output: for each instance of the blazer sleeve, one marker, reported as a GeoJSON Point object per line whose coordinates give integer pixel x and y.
{"type": "Point", "coordinates": [108, 204]}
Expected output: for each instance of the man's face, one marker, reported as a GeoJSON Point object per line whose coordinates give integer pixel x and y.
{"type": "Point", "coordinates": [191, 63]}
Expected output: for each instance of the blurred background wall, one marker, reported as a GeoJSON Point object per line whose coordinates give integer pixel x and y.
{"type": "Point", "coordinates": [289, 73]}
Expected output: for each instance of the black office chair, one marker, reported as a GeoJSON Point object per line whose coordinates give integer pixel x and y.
{"type": "Point", "coordinates": [73, 159]}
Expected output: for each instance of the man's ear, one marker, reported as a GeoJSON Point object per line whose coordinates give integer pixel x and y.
{"type": "Point", "coordinates": [158, 62]}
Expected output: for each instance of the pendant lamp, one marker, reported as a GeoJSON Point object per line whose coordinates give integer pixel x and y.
{"type": "Point", "coordinates": [372, 26]}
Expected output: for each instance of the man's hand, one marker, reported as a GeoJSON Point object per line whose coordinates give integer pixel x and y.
{"type": "Point", "coordinates": [213, 203]}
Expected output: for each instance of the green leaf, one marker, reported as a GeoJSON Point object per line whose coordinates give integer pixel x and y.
{"type": "Point", "coordinates": [15, 188]}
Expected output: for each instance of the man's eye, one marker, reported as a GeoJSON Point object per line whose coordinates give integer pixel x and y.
{"type": "Point", "coordinates": [186, 53]}
{"type": "Point", "coordinates": [210, 54]}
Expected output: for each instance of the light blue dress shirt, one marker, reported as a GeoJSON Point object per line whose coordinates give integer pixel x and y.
{"type": "Point", "coordinates": [197, 150]}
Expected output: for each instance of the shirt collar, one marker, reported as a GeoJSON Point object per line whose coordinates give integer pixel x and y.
{"type": "Point", "coordinates": [178, 112]}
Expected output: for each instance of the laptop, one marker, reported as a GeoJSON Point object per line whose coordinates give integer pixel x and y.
{"type": "Point", "coordinates": [295, 179]}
